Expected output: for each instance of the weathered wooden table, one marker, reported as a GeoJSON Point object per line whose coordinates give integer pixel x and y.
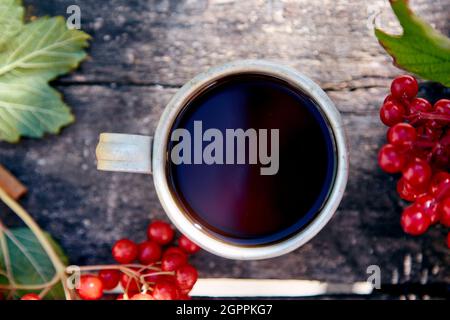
{"type": "Point", "coordinates": [143, 51]}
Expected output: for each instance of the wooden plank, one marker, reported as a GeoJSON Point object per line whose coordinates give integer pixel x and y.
{"type": "Point", "coordinates": [169, 41]}
{"type": "Point", "coordinates": [88, 210]}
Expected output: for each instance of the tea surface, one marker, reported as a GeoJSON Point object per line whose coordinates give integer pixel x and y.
{"type": "Point", "coordinates": [235, 202]}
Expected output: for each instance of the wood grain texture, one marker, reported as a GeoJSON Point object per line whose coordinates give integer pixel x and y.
{"type": "Point", "coordinates": [142, 51]}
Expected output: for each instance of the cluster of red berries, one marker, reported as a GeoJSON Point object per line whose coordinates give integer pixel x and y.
{"type": "Point", "coordinates": [164, 273]}
{"type": "Point", "coordinates": [151, 270]}
{"type": "Point", "coordinates": [418, 148]}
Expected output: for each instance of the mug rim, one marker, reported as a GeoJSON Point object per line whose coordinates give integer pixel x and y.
{"type": "Point", "coordinates": [195, 231]}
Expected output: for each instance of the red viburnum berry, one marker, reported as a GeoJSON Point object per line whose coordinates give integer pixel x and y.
{"type": "Point", "coordinates": [442, 107]}
{"type": "Point", "coordinates": [391, 159]}
{"type": "Point", "coordinates": [408, 192]}
{"type": "Point", "coordinates": [187, 245]}
{"type": "Point", "coordinates": [392, 113]}
{"type": "Point", "coordinates": [31, 296]}
{"type": "Point", "coordinates": [404, 87]}
{"type": "Point", "coordinates": [160, 232]}
{"type": "Point", "coordinates": [417, 173]}
{"type": "Point", "coordinates": [90, 288]}
{"type": "Point", "coordinates": [165, 291]}
{"type": "Point", "coordinates": [414, 221]}
{"type": "Point", "coordinates": [172, 262]}
{"type": "Point", "coordinates": [110, 278]}
{"type": "Point", "coordinates": [186, 277]}
{"type": "Point", "coordinates": [149, 252]}
{"type": "Point", "coordinates": [125, 251]}
{"type": "Point", "coordinates": [429, 206]}
{"type": "Point", "coordinates": [419, 105]}
{"type": "Point", "coordinates": [402, 134]}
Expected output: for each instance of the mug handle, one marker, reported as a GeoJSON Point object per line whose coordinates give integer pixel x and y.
{"type": "Point", "coordinates": [124, 153]}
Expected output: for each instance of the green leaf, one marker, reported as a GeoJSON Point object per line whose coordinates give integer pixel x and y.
{"type": "Point", "coordinates": [11, 19]}
{"type": "Point", "coordinates": [30, 107]}
{"type": "Point", "coordinates": [31, 55]}
{"type": "Point", "coordinates": [420, 49]}
{"type": "Point", "coordinates": [29, 262]}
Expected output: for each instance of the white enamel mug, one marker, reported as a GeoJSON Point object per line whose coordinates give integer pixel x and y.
{"type": "Point", "coordinates": [148, 155]}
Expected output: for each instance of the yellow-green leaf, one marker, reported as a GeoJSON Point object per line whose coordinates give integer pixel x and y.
{"type": "Point", "coordinates": [11, 19]}
{"type": "Point", "coordinates": [45, 48]}
{"type": "Point", "coordinates": [420, 49]}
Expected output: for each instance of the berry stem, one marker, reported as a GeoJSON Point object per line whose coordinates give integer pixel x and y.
{"type": "Point", "coordinates": [168, 273]}
{"type": "Point", "coordinates": [427, 116]}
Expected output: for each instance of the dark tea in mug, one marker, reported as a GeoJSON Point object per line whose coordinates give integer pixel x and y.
{"type": "Point", "coordinates": [252, 159]}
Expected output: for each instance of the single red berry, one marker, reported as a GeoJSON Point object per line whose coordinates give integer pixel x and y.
{"type": "Point", "coordinates": [417, 173]}
{"type": "Point", "coordinates": [187, 245]}
{"type": "Point", "coordinates": [391, 159]}
{"type": "Point", "coordinates": [110, 278]}
{"type": "Point", "coordinates": [125, 251]}
{"type": "Point", "coordinates": [429, 206]}
{"type": "Point", "coordinates": [392, 113]}
{"type": "Point", "coordinates": [149, 252]}
{"type": "Point", "coordinates": [186, 277]}
{"type": "Point", "coordinates": [31, 296]}
{"type": "Point", "coordinates": [404, 87]}
{"type": "Point", "coordinates": [91, 287]}
{"type": "Point", "coordinates": [142, 296]}
{"type": "Point", "coordinates": [172, 262]}
{"type": "Point", "coordinates": [442, 107]}
{"type": "Point", "coordinates": [419, 105]}
{"type": "Point", "coordinates": [165, 291]}
{"type": "Point", "coordinates": [160, 232]}
{"type": "Point", "coordinates": [172, 250]}
{"type": "Point", "coordinates": [408, 192]}
{"type": "Point", "coordinates": [414, 221]}
{"type": "Point", "coordinates": [130, 284]}
{"type": "Point", "coordinates": [440, 184]}
{"type": "Point", "coordinates": [402, 134]}
{"type": "Point", "coordinates": [444, 210]}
